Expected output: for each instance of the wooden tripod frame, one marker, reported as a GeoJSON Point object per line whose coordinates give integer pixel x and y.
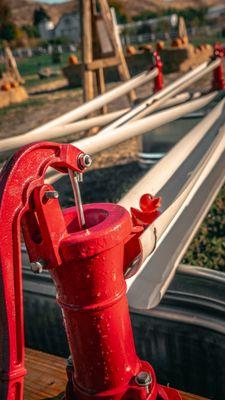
{"type": "Point", "coordinates": [101, 48]}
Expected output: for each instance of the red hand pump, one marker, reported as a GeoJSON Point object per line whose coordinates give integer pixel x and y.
{"type": "Point", "coordinates": [87, 261]}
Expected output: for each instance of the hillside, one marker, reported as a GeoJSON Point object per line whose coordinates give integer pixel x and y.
{"type": "Point", "coordinates": [23, 9]}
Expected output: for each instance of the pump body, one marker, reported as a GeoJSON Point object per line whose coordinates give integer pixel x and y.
{"type": "Point", "coordinates": [88, 268]}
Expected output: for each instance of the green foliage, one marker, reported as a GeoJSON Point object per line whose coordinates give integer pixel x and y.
{"type": "Point", "coordinates": [120, 11]}
{"type": "Point", "coordinates": [192, 16]}
{"type": "Point", "coordinates": [208, 247]}
{"type": "Point", "coordinates": [145, 15]}
{"type": "Point", "coordinates": [30, 66]}
{"type": "Point", "coordinates": [60, 40]}
{"type": "Point", "coordinates": [31, 31]}
{"type": "Point", "coordinates": [8, 29]}
{"type": "Point", "coordinates": [5, 12]}
{"type": "Point", "coordinates": [40, 14]}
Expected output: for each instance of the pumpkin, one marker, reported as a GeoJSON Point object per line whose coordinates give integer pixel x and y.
{"type": "Point", "coordinates": [6, 86]}
{"type": "Point", "coordinates": [73, 59]}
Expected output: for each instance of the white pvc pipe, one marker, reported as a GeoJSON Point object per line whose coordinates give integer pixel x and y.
{"type": "Point", "coordinates": [59, 131]}
{"type": "Point", "coordinates": [99, 142]}
{"type": "Point", "coordinates": [158, 99]}
{"type": "Point", "coordinates": [156, 178]}
{"type": "Point", "coordinates": [15, 142]}
{"type": "Point", "coordinates": [99, 101]}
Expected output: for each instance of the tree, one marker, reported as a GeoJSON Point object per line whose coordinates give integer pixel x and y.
{"type": "Point", "coordinates": [120, 10]}
{"type": "Point", "coordinates": [31, 31]}
{"type": "Point", "coordinates": [8, 29]}
{"type": "Point", "coordinates": [5, 12]}
{"type": "Point", "coordinates": [40, 14]}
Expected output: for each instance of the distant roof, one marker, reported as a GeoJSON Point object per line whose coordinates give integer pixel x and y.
{"type": "Point", "coordinates": [68, 14]}
{"type": "Point", "coordinates": [216, 9]}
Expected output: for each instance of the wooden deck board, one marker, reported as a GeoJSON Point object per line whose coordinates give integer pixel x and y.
{"type": "Point", "coordinates": [46, 378]}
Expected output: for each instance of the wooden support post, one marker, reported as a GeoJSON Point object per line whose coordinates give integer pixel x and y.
{"type": "Point", "coordinates": [110, 26]}
{"type": "Point", "coordinates": [101, 48]}
{"type": "Point", "coordinates": [11, 65]}
{"type": "Point", "coordinates": [101, 87]}
{"type": "Point", "coordinates": [87, 49]}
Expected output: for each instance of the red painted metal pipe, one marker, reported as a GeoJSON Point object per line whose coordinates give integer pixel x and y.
{"type": "Point", "coordinates": [158, 81]}
{"type": "Point", "coordinates": [88, 269]}
{"type": "Point", "coordinates": [218, 82]}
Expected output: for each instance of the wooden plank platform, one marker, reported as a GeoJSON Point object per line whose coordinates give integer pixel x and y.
{"type": "Point", "coordinates": [46, 378]}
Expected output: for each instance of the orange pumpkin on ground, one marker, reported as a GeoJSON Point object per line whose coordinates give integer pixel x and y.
{"type": "Point", "coordinates": [73, 59]}
{"type": "Point", "coordinates": [6, 86]}
{"type": "Point", "coordinates": [160, 45]}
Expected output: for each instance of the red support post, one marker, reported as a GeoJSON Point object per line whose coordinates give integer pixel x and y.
{"type": "Point", "coordinates": [218, 82]}
{"type": "Point", "coordinates": [158, 81]}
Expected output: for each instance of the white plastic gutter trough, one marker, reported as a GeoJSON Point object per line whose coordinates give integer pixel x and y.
{"type": "Point", "coordinates": [201, 169]}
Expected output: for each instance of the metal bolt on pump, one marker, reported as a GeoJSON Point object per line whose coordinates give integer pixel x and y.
{"type": "Point", "coordinates": [37, 266]}
{"type": "Point", "coordinates": [51, 194]}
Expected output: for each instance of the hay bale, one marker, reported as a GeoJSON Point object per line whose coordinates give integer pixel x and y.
{"type": "Point", "coordinates": [12, 96]}
{"type": "Point", "coordinates": [6, 86]}
{"type": "Point", "coordinates": [4, 99]}
{"type": "Point", "coordinates": [17, 95]}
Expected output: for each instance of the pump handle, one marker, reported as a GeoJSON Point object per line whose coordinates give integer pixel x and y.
{"type": "Point", "coordinates": [22, 173]}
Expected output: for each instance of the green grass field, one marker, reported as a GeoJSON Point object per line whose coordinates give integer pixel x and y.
{"type": "Point", "coordinates": [31, 66]}
{"type": "Point", "coordinates": [208, 247]}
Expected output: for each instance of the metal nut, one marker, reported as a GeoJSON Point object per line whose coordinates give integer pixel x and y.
{"type": "Point", "coordinates": [143, 378]}
{"type": "Point", "coordinates": [51, 194]}
{"type": "Point", "coordinates": [69, 362]}
{"type": "Point", "coordinates": [84, 160]}
{"type": "Point", "coordinates": [37, 266]}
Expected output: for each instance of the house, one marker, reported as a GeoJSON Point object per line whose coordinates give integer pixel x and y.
{"type": "Point", "coordinates": [46, 29]}
{"type": "Point", "coordinates": [216, 13]}
{"type": "Point", "coordinates": [68, 27]}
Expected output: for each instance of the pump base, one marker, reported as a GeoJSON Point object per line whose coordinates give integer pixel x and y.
{"type": "Point", "coordinates": [164, 393]}
{"type": "Point", "coordinates": [131, 391]}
